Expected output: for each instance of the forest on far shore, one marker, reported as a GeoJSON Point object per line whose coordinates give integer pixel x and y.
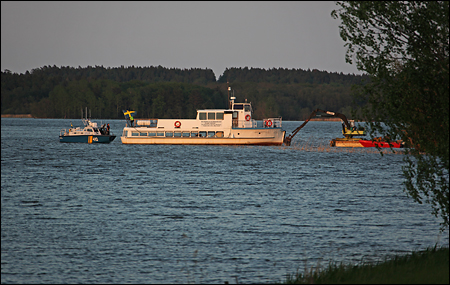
{"type": "Point", "coordinates": [159, 92]}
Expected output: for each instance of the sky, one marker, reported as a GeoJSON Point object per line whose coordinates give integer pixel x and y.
{"type": "Point", "coordinates": [214, 35]}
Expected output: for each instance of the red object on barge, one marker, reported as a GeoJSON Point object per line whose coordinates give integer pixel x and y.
{"type": "Point", "coordinates": [369, 143]}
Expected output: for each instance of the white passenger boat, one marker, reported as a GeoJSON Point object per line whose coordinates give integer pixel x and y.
{"type": "Point", "coordinates": [233, 126]}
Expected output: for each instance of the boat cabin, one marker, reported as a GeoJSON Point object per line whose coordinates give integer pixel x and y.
{"type": "Point", "coordinates": [241, 115]}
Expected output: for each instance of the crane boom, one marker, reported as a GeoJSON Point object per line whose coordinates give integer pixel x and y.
{"type": "Point", "coordinates": [350, 133]}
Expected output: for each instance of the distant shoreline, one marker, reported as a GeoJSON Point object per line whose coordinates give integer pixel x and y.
{"type": "Point", "coordinates": [17, 116]}
{"type": "Point", "coordinates": [30, 116]}
{"type": "Point", "coordinates": [325, 119]}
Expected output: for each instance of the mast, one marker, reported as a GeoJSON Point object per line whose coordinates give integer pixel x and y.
{"type": "Point", "coordinates": [230, 99]}
{"type": "Point", "coordinates": [228, 92]}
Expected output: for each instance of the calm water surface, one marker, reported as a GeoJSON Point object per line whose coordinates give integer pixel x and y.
{"type": "Point", "coordinates": [80, 213]}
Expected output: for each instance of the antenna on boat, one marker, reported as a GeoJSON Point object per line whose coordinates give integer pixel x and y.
{"type": "Point", "coordinates": [230, 100]}
{"type": "Point", "coordinates": [228, 92]}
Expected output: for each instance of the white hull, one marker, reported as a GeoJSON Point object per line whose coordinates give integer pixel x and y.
{"type": "Point", "coordinates": [238, 137]}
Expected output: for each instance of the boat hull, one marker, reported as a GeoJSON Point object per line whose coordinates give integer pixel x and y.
{"type": "Point", "coordinates": [87, 139]}
{"type": "Point", "coordinates": [344, 142]}
{"type": "Point", "coordinates": [369, 143]}
{"type": "Point", "coordinates": [274, 138]}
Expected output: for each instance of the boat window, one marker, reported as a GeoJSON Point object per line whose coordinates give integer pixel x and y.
{"type": "Point", "coordinates": [194, 134]}
{"type": "Point", "coordinates": [143, 134]}
{"type": "Point", "coordinates": [219, 116]}
{"type": "Point", "coordinates": [211, 134]}
{"type": "Point", "coordinates": [235, 115]}
{"type": "Point", "coordinates": [135, 134]}
{"type": "Point", "coordinates": [177, 134]}
{"type": "Point", "coordinates": [219, 134]}
{"type": "Point", "coordinates": [160, 134]}
{"type": "Point", "coordinates": [169, 134]}
{"type": "Point", "coordinates": [238, 107]}
{"type": "Point", "coordinates": [151, 134]}
{"type": "Point", "coordinates": [89, 130]}
{"type": "Point", "coordinates": [186, 134]}
{"type": "Point", "coordinates": [202, 134]}
{"type": "Point", "coordinates": [202, 116]}
{"type": "Point", "coordinates": [211, 116]}
{"type": "Point", "coordinates": [153, 123]}
{"type": "Point", "coordinates": [247, 107]}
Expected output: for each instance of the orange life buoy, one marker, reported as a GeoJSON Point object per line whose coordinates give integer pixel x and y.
{"type": "Point", "coordinates": [177, 124]}
{"type": "Point", "coordinates": [269, 123]}
{"type": "Point", "coordinates": [247, 117]}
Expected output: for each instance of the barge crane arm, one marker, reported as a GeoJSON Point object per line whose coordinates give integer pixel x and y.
{"type": "Point", "coordinates": [287, 139]}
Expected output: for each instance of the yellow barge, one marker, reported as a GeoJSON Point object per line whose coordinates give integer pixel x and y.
{"type": "Point", "coordinates": [345, 142]}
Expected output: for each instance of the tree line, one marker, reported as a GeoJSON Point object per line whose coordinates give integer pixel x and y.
{"type": "Point", "coordinates": [159, 92]}
{"type": "Point", "coordinates": [287, 76]}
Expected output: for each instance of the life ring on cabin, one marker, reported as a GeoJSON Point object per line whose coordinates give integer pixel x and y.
{"type": "Point", "coordinates": [177, 124]}
{"type": "Point", "coordinates": [247, 117]}
{"type": "Point", "coordinates": [269, 123]}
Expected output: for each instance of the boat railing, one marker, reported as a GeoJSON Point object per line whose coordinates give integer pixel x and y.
{"type": "Point", "coordinates": [272, 122]}
{"type": "Point", "coordinates": [244, 123]}
{"type": "Point", "coordinates": [266, 123]}
{"type": "Point", "coordinates": [150, 123]}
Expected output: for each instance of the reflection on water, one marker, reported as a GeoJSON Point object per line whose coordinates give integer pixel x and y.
{"type": "Point", "coordinates": [79, 213]}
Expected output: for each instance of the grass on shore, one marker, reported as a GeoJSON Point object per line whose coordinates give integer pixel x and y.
{"type": "Point", "coordinates": [430, 266]}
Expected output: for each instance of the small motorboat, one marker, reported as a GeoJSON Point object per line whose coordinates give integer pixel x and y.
{"type": "Point", "coordinates": [90, 133]}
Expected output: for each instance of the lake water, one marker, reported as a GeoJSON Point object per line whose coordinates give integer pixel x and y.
{"type": "Point", "coordinates": [113, 213]}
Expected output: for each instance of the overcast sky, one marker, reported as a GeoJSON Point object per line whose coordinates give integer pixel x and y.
{"type": "Point", "coordinates": [215, 35]}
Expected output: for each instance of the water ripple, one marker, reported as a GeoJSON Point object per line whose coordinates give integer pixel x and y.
{"type": "Point", "coordinates": [79, 213]}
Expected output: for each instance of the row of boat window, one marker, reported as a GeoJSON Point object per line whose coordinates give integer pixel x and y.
{"type": "Point", "coordinates": [193, 134]}
{"type": "Point", "coordinates": [210, 116]}
{"type": "Point", "coordinates": [77, 132]}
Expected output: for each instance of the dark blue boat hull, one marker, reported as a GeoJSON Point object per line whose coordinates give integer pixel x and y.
{"type": "Point", "coordinates": [87, 139]}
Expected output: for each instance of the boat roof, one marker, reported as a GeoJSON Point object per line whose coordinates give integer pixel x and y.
{"type": "Point", "coordinates": [240, 104]}
{"type": "Point", "coordinates": [212, 110]}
